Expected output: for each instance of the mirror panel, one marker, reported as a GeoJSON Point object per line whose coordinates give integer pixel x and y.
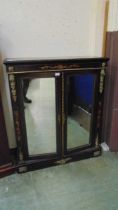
{"type": "Point", "coordinates": [80, 94]}
{"type": "Point", "coordinates": [40, 115]}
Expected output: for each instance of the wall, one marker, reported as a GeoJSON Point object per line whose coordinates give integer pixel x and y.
{"type": "Point", "coordinates": [113, 15]}
{"type": "Point", "coordinates": [39, 28]}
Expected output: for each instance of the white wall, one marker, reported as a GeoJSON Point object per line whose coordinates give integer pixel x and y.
{"type": "Point", "coordinates": [50, 28]}
{"type": "Point", "coordinates": [96, 27]}
{"type": "Point", "coordinates": [113, 15]}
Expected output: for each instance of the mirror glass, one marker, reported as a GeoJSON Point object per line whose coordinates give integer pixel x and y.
{"type": "Point", "coordinates": [80, 93]}
{"type": "Point", "coordinates": [40, 115]}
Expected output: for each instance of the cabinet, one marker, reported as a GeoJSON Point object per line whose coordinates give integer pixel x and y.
{"type": "Point", "coordinates": [57, 109]}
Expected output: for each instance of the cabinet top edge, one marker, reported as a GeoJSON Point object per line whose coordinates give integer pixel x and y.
{"type": "Point", "coordinates": [20, 61]}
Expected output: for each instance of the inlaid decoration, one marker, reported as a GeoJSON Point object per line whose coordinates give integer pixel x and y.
{"type": "Point", "coordinates": [13, 87]}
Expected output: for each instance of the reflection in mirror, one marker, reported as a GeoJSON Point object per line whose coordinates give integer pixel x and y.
{"type": "Point", "coordinates": [40, 115]}
{"type": "Point", "coordinates": [80, 101]}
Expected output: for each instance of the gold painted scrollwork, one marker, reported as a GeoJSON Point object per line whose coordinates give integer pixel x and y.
{"type": "Point", "coordinates": [20, 155]}
{"type": "Point", "coordinates": [17, 124]}
{"type": "Point", "coordinates": [13, 87]}
{"type": "Point", "coordinates": [63, 161]}
{"type": "Point", "coordinates": [11, 69]}
{"type": "Point", "coordinates": [97, 141]}
{"type": "Point", "coordinates": [60, 66]}
{"type": "Point", "coordinates": [18, 133]}
{"type": "Point", "coordinates": [102, 75]}
{"type": "Point", "coordinates": [16, 113]}
{"type": "Point", "coordinates": [103, 64]}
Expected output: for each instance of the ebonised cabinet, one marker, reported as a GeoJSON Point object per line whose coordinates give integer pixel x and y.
{"type": "Point", "coordinates": [57, 109]}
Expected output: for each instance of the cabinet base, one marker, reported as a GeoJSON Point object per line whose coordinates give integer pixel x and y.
{"type": "Point", "coordinates": [31, 165]}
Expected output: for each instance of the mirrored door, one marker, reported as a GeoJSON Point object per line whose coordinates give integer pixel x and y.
{"type": "Point", "coordinates": [41, 110]}
{"type": "Point", "coordinates": [79, 104]}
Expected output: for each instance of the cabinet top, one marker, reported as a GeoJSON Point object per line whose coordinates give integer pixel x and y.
{"type": "Point", "coordinates": [27, 61]}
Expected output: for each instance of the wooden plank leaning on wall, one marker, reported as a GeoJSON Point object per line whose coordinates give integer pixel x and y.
{"type": "Point", "coordinates": [110, 109]}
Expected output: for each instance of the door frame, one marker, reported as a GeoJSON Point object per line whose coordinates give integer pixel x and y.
{"type": "Point", "coordinates": [23, 156]}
